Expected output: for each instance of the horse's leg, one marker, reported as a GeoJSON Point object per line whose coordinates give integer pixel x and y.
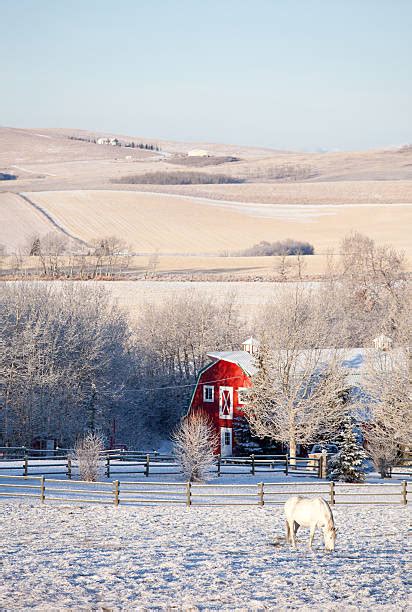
{"type": "Point", "coordinates": [287, 532]}
{"type": "Point", "coordinates": [312, 535]}
{"type": "Point", "coordinates": [292, 533]}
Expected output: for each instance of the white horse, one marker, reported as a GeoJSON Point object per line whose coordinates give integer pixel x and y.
{"type": "Point", "coordinates": [312, 513]}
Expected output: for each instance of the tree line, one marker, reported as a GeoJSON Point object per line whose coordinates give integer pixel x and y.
{"type": "Point", "coordinates": [73, 361]}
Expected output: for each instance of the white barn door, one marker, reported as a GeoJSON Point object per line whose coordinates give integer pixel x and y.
{"type": "Point", "coordinates": [226, 441]}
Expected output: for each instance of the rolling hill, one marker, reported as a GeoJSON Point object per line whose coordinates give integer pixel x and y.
{"type": "Point", "coordinates": [69, 185]}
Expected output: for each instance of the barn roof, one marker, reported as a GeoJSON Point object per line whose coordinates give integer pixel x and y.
{"type": "Point", "coordinates": [244, 360]}
{"type": "Point", "coordinates": [352, 359]}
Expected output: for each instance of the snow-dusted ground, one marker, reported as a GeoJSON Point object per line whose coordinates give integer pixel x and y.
{"type": "Point", "coordinates": [99, 557]}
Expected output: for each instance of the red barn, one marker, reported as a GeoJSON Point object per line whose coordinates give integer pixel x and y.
{"type": "Point", "coordinates": [219, 390]}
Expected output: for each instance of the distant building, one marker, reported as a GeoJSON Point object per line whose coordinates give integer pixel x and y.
{"type": "Point", "coordinates": [198, 153]}
{"type": "Point", "coordinates": [108, 141]}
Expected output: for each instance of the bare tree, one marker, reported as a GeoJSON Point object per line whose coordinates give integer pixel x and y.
{"type": "Point", "coordinates": [382, 448]}
{"type": "Point", "coordinates": [153, 264]}
{"type": "Point", "coordinates": [389, 388]}
{"type": "Point", "coordinates": [174, 338]}
{"type": "Point", "coordinates": [297, 391]}
{"type": "Point", "coordinates": [366, 290]}
{"type": "Point", "coordinates": [65, 352]}
{"type": "Point", "coordinates": [87, 454]}
{"type": "Point", "coordinates": [283, 265]}
{"type": "Point", "coordinates": [111, 255]}
{"type": "Point", "coordinates": [195, 444]}
{"type": "Point", "coordinates": [300, 264]}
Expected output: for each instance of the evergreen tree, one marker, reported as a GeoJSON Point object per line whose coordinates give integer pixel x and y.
{"type": "Point", "coordinates": [347, 465]}
{"type": "Point", "coordinates": [245, 445]}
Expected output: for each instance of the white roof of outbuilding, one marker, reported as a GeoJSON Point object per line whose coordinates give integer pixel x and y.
{"type": "Point", "coordinates": [352, 359]}
{"type": "Point", "coordinates": [251, 341]}
{"type": "Point", "coordinates": [198, 153]}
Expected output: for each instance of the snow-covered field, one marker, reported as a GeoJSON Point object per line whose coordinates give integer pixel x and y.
{"type": "Point", "coordinates": [77, 557]}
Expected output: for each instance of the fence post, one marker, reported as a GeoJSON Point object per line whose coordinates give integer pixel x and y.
{"type": "Point", "coordinates": [261, 494]}
{"type": "Point", "coordinates": [42, 490]}
{"type": "Point", "coordinates": [323, 465]}
{"type": "Point", "coordinates": [218, 464]}
{"type": "Point", "coordinates": [108, 466]}
{"type": "Point", "coordinates": [404, 492]}
{"type": "Point", "coordinates": [146, 471]}
{"type": "Point", "coordinates": [253, 464]}
{"type": "Point", "coordinates": [188, 493]}
{"type": "Point", "coordinates": [26, 465]}
{"type": "Point", "coordinates": [286, 465]}
{"type": "Point", "coordinates": [69, 468]}
{"type": "Point", "coordinates": [332, 492]}
{"type": "Point", "coordinates": [116, 492]}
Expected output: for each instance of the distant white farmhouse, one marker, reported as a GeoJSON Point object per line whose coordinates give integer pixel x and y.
{"type": "Point", "coordinates": [108, 141]}
{"type": "Point", "coordinates": [198, 153]}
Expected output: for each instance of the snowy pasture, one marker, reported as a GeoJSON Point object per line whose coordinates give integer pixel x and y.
{"type": "Point", "coordinates": [98, 557]}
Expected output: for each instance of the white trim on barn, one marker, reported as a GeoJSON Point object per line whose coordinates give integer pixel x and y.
{"type": "Point", "coordinates": [226, 402]}
{"type": "Point", "coordinates": [208, 393]}
{"type": "Point", "coordinates": [241, 400]}
{"type": "Point", "coordinates": [226, 441]}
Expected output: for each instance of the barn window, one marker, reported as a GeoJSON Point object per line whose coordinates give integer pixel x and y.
{"type": "Point", "coordinates": [208, 393]}
{"type": "Point", "coordinates": [242, 395]}
{"type": "Point", "coordinates": [227, 438]}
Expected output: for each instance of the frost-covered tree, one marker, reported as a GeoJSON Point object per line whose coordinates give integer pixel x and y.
{"type": "Point", "coordinates": [245, 444]}
{"type": "Point", "coordinates": [173, 338]}
{"type": "Point", "coordinates": [296, 397]}
{"type": "Point", "coordinates": [64, 354]}
{"type": "Point", "coordinates": [194, 446]}
{"type": "Point", "coordinates": [366, 290]}
{"type": "Point", "coordinates": [389, 387]}
{"type": "Point", "coordinates": [347, 465]}
{"type": "Point", "coordinates": [87, 454]}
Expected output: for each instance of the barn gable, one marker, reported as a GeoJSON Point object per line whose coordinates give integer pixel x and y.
{"type": "Point", "coordinates": [218, 393]}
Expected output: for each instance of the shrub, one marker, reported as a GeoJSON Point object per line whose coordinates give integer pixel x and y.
{"type": "Point", "coordinates": [87, 453]}
{"type": "Point", "coordinates": [283, 247]}
{"type": "Point", "coordinates": [195, 443]}
{"type": "Point", "coordinates": [178, 178]}
{"type": "Point", "coordinates": [200, 162]}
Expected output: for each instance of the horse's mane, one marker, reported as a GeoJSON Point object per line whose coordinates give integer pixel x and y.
{"type": "Point", "coordinates": [331, 522]}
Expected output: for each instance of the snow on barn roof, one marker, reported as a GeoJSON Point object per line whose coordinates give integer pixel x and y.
{"type": "Point", "coordinates": [352, 359]}
{"type": "Point", "coordinates": [244, 360]}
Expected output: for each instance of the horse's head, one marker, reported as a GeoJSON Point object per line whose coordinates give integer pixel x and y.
{"type": "Point", "coordinates": [330, 538]}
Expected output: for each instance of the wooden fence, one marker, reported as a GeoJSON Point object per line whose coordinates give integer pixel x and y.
{"type": "Point", "coordinates": [59, 462]}
{"type": "Point", "coordinates": [196, 494]}
{"type": "Point", "coordinates": [130, 462]}
{"type": "Point", "coordinates": [133, 463]}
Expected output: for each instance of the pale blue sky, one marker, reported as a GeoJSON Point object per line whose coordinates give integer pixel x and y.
{"type": "Point", "coordinates": [296, 74]}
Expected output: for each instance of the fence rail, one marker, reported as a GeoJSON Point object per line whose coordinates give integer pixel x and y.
{"type": "Point", "coordinates": [132, 462]}
{"type": "Point", "coordinates": [118, 462]}
{"type": "Point", "coordinates": [195, 494]}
